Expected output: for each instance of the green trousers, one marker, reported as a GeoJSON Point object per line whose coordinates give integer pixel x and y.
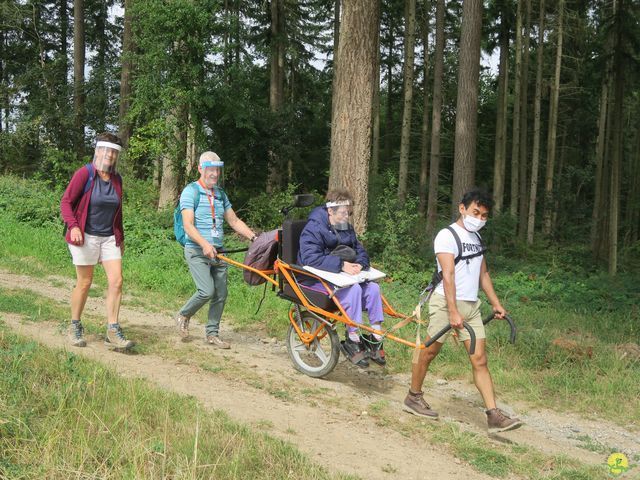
{"type": "Point", "coordinates": [210, 277]}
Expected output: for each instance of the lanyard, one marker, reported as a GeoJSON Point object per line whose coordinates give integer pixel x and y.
{"type": "Point", "coordinates": [211, 201]}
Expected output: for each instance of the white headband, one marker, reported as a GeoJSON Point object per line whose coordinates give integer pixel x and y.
{"type": "Point", "coordinates": [113, 146]}
{"type": "Point", "coordinates": [341, 203]}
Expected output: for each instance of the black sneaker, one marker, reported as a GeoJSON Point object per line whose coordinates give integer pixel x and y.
{"type": "Point", "coordinates": [355, 352]}
{"type": "Point", "coordinates": [375, 349]}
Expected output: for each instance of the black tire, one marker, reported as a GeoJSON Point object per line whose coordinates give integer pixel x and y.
{"type": "Point", "coordinates": [318, 358]}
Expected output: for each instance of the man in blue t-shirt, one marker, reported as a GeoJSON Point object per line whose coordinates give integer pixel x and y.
{"type": "Point", "coordinates": [204, 207]}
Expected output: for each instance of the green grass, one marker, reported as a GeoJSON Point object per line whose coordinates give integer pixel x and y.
{"type": "Point", "coordinates": [62, 417]}
{"type": "Point", "coordinates": [552, 298]}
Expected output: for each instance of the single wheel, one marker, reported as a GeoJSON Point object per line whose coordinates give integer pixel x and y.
{"type": "Point", "coordinates": [318, 357]}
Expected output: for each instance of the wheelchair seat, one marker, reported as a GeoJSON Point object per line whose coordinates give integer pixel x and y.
{"type": "Point", "coordinates": [291, 231]}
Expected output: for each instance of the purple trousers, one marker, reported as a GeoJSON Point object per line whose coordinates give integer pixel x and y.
{"type": "Point", "coordinates": [356, 298]}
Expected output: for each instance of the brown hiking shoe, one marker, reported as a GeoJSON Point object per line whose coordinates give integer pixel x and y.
{"type": "Point", "coordinates": [499, 421]}
{"type": "Point", "coordinates": [414, 403]}
{"type": "Point", "coordinates": [217, 342]}
{"type": "Point", "coordinates": [116, 340]}
{"type": "Point", "coordinates": [182, 323]}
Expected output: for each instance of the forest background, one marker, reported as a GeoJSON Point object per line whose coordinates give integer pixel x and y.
{"type": "Point", "coordinates": [388, 99]}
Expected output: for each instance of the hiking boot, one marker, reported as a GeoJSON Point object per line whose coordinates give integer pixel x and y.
{"type": "Point", "coordinates": [76, 331]}
{"type": "Point", "coordinates": [375, 349]}
{"type": "Point", "coordinates": [116, 340]}
{"type": "Point", "coordinates": [499, 421]}
{"type": "Point", "coordinates": [182, 323]}
{"type": "Point", "coordinates": [217, 342]}
{"type": "Point", "coordinates": [415, 404]}
{"type": "Point", "coordinates": [355, 352]}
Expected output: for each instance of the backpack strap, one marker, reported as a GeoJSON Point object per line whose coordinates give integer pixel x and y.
{"type": "Point", "coordinates": [456, 237]}
{"type": "Point", "coordinates": [92, 171]}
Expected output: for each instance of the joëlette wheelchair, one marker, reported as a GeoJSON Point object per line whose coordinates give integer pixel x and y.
{"type": "Point", "coordinates": [312, 341]}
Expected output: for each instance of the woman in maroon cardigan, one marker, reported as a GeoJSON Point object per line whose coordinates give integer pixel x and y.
{"type": "Point", "coordinates": [91, 208]}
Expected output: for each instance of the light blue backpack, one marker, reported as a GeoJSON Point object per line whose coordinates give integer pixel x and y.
{"type": "Point", "coordinates": [178, 226]}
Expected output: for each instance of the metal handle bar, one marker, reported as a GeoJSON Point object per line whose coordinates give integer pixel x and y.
{"type": "Point", "coordinates": [237, 250]}
{"type": "Point", "coordinates": [512, 325]}
{"type": "Point", "coordinates": [472, 335]}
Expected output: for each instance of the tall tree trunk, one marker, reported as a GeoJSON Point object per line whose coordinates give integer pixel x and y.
{"type": "Point", "coordinates": [466, 136]}
{"type": "Point", "coordinates": [524, 128]}
{"type": "Point", "coordinates": [226, 33]}
{"type": "Point", "coordinates": [535, 154]}
{"type": "Point", "coordinates": [388, 118]}
{"type": "Point", "coordinates": [515, 134]}
{"type": "Point", "coordinates": [64, 32]}
{"type": "Point", "coordinates": [336, 28]}
{"type": "Point", "coordinates": [236, 31]}
{"type": "Point", "coordinates": [553, 125]}
{"type": "Point", "coordinates": [375, 122]}
{"type": "Point", "coordinates": [434, 164]}
{"type": "Point", "coordinates": [78, 76]}
{"type": "Point", "coordinates": [500, 155]}
{"type": "Point", "coordinates": [353, 100]}
{"type": "Point", "coordinates": [617, 130]}
{"type": "Point", "coordinates": [101, 65]}
{"type": "Point", "coordinates": [173, 158]}
{"type": "Point", "coordinates": [597, 214]}
{"type": "Point", "coordinates": [405, 138]}
{"type": "Point", "coordinates": [125, 75]}
{"type": "Point", "coordinates": [424, 141]}
{"type": "Point", "coordinates": [633, 198]}
{"type": "Point", "coordinates": [276, 89]}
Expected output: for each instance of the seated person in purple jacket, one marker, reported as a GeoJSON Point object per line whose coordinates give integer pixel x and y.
{"type": "Point", "coordinates": [328, 227]}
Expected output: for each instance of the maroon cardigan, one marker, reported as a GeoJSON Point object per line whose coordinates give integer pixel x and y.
{"type": "Point", "coordinates": [74, 206]}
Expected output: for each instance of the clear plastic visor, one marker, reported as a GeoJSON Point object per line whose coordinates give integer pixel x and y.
{"type": "Point", "coordinates": [212, 176]}
{"type": "Point", "coordinates": [339, 214]}
{"type": "Point", "coordinates": [105, 157]}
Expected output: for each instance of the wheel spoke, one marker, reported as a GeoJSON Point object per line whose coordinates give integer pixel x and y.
{"type": "Point", "coordinates": [299, 347]}
{"type": "Point", "coordinates": [320, 353]}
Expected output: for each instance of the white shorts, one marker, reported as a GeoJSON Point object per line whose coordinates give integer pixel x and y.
{"type": "Point", "coordinates": [95, 250]}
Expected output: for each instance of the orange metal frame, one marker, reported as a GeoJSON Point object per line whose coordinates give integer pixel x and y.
{"type": "Point", "coordinates": [287, 272]}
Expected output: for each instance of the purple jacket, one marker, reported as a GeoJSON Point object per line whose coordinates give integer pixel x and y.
{"type": "Point", "coordinates": [318, 239]}
{"type": "Point", "coordinates": [74, 206]}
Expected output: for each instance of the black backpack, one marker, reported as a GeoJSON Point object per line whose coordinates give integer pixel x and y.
{"type": "Point", "coordinates": [437, 274]}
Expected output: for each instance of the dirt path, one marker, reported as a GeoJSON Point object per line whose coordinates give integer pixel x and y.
{"type": "Point", "coordinates": [330, 419]}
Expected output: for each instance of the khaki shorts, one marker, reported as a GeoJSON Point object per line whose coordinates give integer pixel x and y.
{"type": "Point", "coordinates": [439, 318]}
{"type": "Point", "coordinates": [95, 250]}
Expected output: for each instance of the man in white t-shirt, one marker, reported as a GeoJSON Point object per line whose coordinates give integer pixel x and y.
{"type": "Point", "coordinates": [455, 300]}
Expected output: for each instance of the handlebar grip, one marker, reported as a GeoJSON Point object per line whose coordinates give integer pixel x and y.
{"type": "Point", "coordinates": [472, 335]}
{"type": "Point", "coordinates": [512, 326]}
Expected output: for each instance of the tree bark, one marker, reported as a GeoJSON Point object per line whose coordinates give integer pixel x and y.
{"type": "Point", "coordinates": [553, 125]}
{"type": "Point", "coordinates": [353, 100]}
{"type": "Point", "coordinates": [434, 163]}
{"type": "Point", "coordinates": [78, 76]}
{"type": "Point", "coordinates": [633, 198]}
{"type": "Point", "coordinates": [617, 138]}
{"type": "Point", "coordinates": [424, 150]}
{"type": "Point", "coordinates": [64, 32]}
{"type": "Point", "coordinates": [276, 89]}
{"type": "Point", "coordinates": [375, 122]}
{"type": "Point", "coordinates": [535, 154]}
{"type": "Point", "coordinates": [500, 155]}
{"type": "Point", "coordinates": [388, 118]}
{"type": "Point", "coordinates": [173, 157]}
{"type": "Point", "coordinates": [405, 138]}
{"type": "Point", "coordinates": [524, 128]}
{"type": "Point", "coordinates": [125, 75]}
{"type": "Point", "coordinates": [515, 134]}
{"type": "Point", "coordinates": [466, 136]}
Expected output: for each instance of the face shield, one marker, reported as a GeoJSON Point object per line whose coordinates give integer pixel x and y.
{"type": "Point", "coordinates": [105, 158]}
{"type": "Point", "coordinates": [211, 173]}
{"type": "Point", "coordinates": [339, 214]}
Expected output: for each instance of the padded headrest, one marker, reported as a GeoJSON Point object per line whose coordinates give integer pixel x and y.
{"type": "Point", "coordinates": [291, 230]}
